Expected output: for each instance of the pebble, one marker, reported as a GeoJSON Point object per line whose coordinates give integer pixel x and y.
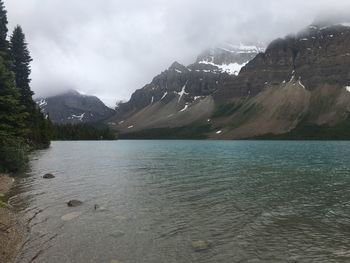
{"type": "Point", "coordinates": [71, 216]}
{"type": "Point", "coordinates": [200, 245]}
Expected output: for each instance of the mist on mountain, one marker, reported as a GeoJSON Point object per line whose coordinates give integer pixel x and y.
{"type": "Point", "coordinates": [112, 48]}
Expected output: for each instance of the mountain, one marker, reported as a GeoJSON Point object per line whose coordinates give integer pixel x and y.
{"type": "Point", "coordinates": [181, 95]}
{"type": "Point", "coordinates": [301, 80]}
{"type": "Point", "coordinates": [73, 107]}
{"type": "Point", "coordinates": [299, 87]}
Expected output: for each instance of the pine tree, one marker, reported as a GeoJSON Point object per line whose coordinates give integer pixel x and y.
{"type": "Point", "coordinates": [3, 27]}
{"type": "Point", "coordinates": [11, 111]}
{"type": "Point", "coordinates": [22, 125]}
{"type": "Point", "coordinates": [21, 66]}
{"type": "Point", "coordinates": [36, 122]}
{"type": "Point", "coordinates": [12, 115]}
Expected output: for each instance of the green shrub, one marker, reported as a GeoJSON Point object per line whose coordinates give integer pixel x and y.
{"type": "Point", "coordinates": [81, 131]}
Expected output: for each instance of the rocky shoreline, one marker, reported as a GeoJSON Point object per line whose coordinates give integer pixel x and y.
{"type": "Point", "coordinates": [11, 232]}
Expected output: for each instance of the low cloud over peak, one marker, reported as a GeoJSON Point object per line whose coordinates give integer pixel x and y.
{"type": "Point", "coordinates": [110, 48]}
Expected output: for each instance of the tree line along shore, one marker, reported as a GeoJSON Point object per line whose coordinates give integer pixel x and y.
{"type": "Point", "coordinates": [23, 126]}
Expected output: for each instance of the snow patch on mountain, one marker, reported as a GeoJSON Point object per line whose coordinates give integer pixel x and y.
{"type": "Point", "coordinates": [165, 93]}
{"type": "Point", "coordinates": [232, 68]}
{"type": "Point", "coordinates": [229, 58]}
{"type": "Point", "coordinates": [185, 108]}
{"type": "Point", "coordinates": [301, 84]}
{"type": "Point", "coordinates": [182, 92]}
{"type": "Point", "coordinates": [42, 103]}
{"type": "Point", "coordinates": [79, 117]}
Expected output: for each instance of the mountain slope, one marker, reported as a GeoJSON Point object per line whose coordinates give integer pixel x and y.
{"type": "Point", "coordinates": [314, 55]}
{"type": "Point", "coordinates": [182, 95]}
{"type": "Point", "coordinates": [315, 63]}
{"type": "Point", "coordinates": [301, 80]}
{"type": "Point", "coordinates": [73, 107]}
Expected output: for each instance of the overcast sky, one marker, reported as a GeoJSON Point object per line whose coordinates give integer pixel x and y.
{"type": "Point", "coordinates": [109, 48]}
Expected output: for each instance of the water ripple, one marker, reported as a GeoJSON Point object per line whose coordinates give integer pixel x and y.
{"type": "Point", "coordinates": [252, 201]}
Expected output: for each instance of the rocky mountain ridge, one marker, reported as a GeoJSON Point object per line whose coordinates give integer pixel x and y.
{"type": "Point", "coordinates": [74, 107]}
{"type": "Point", "coordinates": [302, 79]}
{"type": "Point", "coordinates": [167, 99]}
{"type": "Point", "coordinates": [313, 55]}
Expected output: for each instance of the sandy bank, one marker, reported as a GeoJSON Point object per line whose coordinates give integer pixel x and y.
{"type": "Point", "coordinates": [11, 234]}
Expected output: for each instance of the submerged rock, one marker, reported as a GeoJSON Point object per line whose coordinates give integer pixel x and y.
{"type": "Point", "coordinates": [48, 176]}
{"type": "Point", "coordinates": [200, 245]}
{"type": "Point", "coordinates": [117, 234]}
{"type": "Point", "coordinates": [71, 216]}
{"type": "Point", "coordinates": [74, 203]}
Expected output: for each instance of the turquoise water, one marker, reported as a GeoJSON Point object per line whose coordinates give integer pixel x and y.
{"type": "Point", "coordinates": [250, 201]}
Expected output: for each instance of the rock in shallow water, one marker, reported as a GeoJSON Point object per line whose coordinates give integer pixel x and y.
{"type": "Point", "coordinates": [200, 245]}
{"type": "Point", "coordinates": [71, 216]}
{"type": "Point", "coordinates": [74, 203]}
{"type": "Point", "coordinates": [117, 234]}
{"type": "Point", "coordinates": [48, 176]}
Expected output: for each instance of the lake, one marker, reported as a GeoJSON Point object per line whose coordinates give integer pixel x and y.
{"type": "Point", "coordinates": [244, 201]}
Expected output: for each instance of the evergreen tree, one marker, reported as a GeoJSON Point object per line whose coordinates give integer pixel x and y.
{"type": "Point", "coordinates": [12, 115]}
{"type": "Point", "coordinates": [11, 112]}
{"type": "Point", "coordinates": [21, 67]}
{"type": "Point", "coordinates": [3, 27]}
{"type": "Point", "coordinates": [36, 122]}
{"type": "Point", "coordinates": [22, 125]}
{"type": "Point", "coordinates": [81, 131]}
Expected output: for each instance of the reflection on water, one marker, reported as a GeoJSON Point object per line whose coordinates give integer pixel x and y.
{"type": "Point", "coordinates": [188, 201]}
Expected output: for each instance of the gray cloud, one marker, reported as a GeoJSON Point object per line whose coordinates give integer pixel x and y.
{"type": "Point", "coordinates": [112, 47]}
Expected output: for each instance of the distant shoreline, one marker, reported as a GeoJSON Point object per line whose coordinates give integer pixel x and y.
{"type": "Point", "coordinates": [11, 231]}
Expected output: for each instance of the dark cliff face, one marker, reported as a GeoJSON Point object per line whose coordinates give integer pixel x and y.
{"type": "Point", "coordinates": [187, 82]}
{"type": "Point", "coordinates": [73, 107]}
{"type": "Point", "coordinates": [315, 56]}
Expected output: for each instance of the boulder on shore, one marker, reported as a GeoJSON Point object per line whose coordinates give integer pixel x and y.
{"type": "Point", "coordinates": [48, 176]}
{"type": "Point", "coordinates": [74, 203]}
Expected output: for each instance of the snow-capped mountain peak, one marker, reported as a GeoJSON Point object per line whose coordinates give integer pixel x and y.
{"type": "Point", "coordinates": [230, 58]}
